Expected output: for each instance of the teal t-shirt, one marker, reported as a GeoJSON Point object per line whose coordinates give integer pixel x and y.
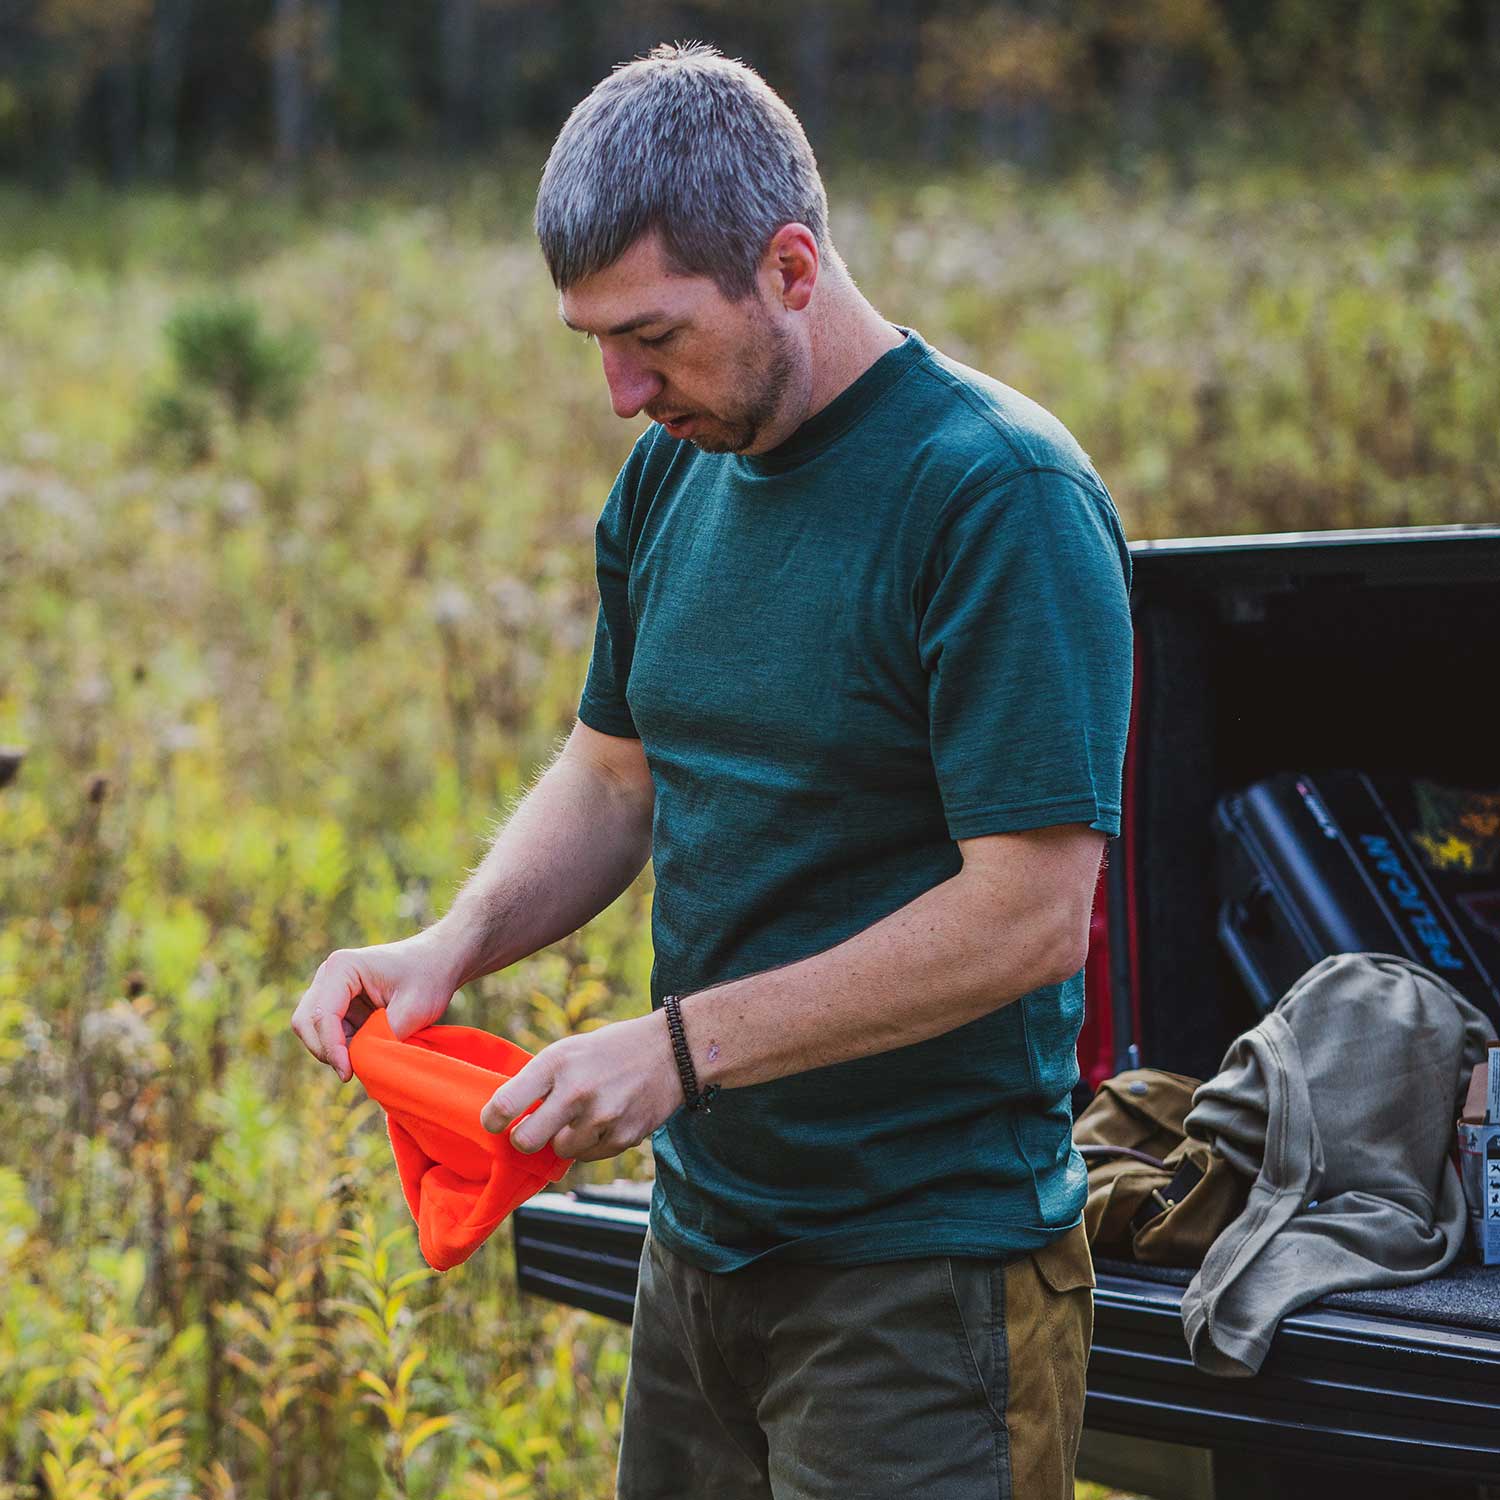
{"type": "Point", "coordinates": [907, 624]}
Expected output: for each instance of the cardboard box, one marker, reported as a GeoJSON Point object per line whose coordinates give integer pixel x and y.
{"type": "Point", "coordinates": [1479, 1156]}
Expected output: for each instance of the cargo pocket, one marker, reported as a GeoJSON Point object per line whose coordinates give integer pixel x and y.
{"type": "Point", "coordinates": [1049, 1324]}
{"type": "Point", "coordinates": [1065, 1268]}
{"type": "Point", "coordinates": [1066, 1263]}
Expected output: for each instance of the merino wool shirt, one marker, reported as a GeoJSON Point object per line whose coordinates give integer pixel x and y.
{"type": "Point", "coordinates": [908, 624]}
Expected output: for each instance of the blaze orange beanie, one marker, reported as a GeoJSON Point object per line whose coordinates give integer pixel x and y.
{"type": "Point", "coordinates": [460, 1180]}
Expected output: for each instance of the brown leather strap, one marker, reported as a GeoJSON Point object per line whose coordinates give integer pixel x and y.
{"type": "Point", "coordinates": [1187, 1176]}
{"type": "Point", "coordinates": [1105, 1153]}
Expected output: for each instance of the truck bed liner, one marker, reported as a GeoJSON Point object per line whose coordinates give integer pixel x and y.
{"type": "Point", "coordinates": [1467, 1295]}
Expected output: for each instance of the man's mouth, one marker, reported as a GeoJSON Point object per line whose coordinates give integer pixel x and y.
{"type": "Point", "coordinates": [676, 426]}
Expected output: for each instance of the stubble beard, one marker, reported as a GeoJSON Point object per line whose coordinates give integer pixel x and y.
{"type": "Point", "coordinates": [769, 384]}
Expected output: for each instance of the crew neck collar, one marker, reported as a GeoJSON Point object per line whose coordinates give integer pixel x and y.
{"type": "Point", "coordinates": [843, 411]}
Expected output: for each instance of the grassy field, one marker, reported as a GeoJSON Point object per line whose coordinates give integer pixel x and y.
{"type": "Point", "coordinates": [276, 678]}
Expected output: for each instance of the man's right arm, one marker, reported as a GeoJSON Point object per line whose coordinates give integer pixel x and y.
{"type": "Point", "coordinates": [577, 840]}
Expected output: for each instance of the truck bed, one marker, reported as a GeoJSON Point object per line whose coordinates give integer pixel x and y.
{"type": "Point", "coordinates": [1390, 1378]}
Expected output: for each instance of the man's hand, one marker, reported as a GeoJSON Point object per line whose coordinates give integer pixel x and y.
{"type": "Point", "coordinates": [602, 1091]}
{"type": "Point", "coordinates": [414, 980]}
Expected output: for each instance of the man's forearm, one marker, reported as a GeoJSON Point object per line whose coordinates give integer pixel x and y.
{"type": "Point", "coordinates": [957, 951]}
{"type": "Point", "coordinates": [573, 845]}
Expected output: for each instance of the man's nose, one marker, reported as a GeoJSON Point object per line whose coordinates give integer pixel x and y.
{"type": "Point", "coordinates": [631, 385]}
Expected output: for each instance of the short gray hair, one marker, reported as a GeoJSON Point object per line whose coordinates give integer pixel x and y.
{"type": "Point", "coordinates": [687, 142]}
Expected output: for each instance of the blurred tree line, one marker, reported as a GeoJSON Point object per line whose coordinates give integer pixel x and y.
{"type": "Point", "coordinates": [164, 88]}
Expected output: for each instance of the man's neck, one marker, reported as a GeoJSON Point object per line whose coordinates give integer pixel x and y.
{"type": "Point", "coordinates": [847, 337]}
{"type": "Point", "coordinates": [845, 344]}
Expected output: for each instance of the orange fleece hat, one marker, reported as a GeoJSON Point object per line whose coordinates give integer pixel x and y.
{"type": "Point", "coordinates": [460, 1179]}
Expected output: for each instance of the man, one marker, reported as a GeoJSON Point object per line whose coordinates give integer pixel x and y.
{"type": "Point", "coordinates": [859, 687]}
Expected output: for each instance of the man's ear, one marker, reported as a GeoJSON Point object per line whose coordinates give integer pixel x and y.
{"type": "Point", "coordinates": [791, 264]}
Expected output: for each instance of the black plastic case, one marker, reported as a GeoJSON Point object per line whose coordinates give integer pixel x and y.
{"type": "Point", "coordinates": [1338, 861]}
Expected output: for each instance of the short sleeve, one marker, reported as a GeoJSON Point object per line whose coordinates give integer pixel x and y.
{"type": "Point", "coordinates": [602, 705]}
{"type": "Point", "coordinates": [1026, 636]}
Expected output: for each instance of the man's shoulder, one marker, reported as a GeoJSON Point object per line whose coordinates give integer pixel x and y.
{"type": "Point", "coordinates": [977, 427]}
{"type": "Point", "coordinates": [988, 459]}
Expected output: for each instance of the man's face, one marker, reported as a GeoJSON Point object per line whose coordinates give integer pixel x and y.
{"type": "Point", "coordinates": [715, 372]}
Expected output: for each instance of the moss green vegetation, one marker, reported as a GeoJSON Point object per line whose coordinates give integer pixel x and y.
{"type": "Point", "coordinates": [275, 686]}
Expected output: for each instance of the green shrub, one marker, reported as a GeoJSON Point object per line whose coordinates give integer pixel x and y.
{"type": "Point", "coordinates": [227, 368]}
{"type": "Point", "coordinates": [219, 345]}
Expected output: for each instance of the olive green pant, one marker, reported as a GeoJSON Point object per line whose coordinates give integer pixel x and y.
{"type": "Point", "coordinates": [942, 1376]}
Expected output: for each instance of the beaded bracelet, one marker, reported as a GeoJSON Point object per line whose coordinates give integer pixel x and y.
{"type": "Point", "coordinates": [685, 1070]}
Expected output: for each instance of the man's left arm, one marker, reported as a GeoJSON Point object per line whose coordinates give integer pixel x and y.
{"type": "Point", "coordinates": [1013, 919]}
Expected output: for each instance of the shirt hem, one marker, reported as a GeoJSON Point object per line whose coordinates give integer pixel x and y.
{"type": "Point", "coordinates": [606, 720]}
{"type": "Point", "coordinates": [1016, 817]}
{"type": "Point", "coordinates": [923, 1238]}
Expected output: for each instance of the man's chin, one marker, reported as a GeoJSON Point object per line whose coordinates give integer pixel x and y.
{"type": "Point", "coordinates": [714, 442]}
{"type": "Point", "coordinates": [714, 437]}
{"type": "Point", "coordinates": [711, 435]}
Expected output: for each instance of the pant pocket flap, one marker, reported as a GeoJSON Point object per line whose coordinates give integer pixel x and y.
{"type": "Point", "coordinates": [1066, 1264]}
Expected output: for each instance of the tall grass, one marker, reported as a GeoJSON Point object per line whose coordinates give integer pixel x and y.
{"type": "Point", "coordinates": [272, 701]}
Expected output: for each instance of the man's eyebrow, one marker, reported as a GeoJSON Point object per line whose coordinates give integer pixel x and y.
{"type": "Point", "coordinates": [628, 326]}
